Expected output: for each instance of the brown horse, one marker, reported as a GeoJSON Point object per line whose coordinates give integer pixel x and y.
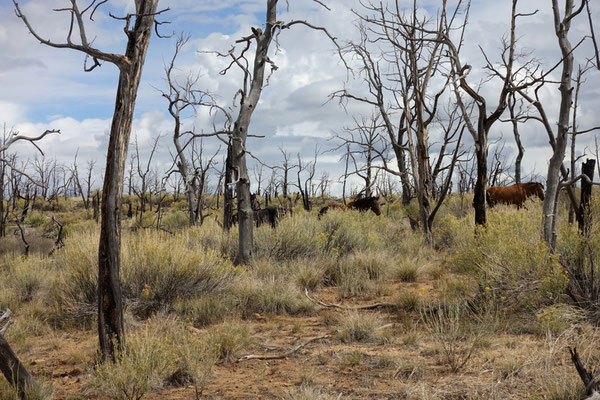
{"type": "Point", "coordinates": [362, 204]}
{"type": "Point", "coordinates": [514, 194]}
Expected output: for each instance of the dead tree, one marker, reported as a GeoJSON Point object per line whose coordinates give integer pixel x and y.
{"type": "Point", "coordinates": [201, 166]}
{"type": "Point", "coordinates": [142, 191]}
{"type": "Point", "coordinates": [578, 82]}
{"type": "Point", "coordinates": [304, 183]}
{"type": "Point", "coordinates": [378, 97]}
{"type": "Point", "coordinates": [557, 173]}
{"type": "Point", "coordinates": [480, 129]}
{"type": "Point", "coordinates": [228, 184]}
{"type": "Point", "coordinates": [363, 144]}
{"type": "Point", "coordinates": [286, 167]}
{"type": "Point", "coordinates": [184, 97]}
{"type": "Point", "coordinates": [130, 65]}
{"type": "Point", "coordinates": [84, 191]}
{"type": "Point", "coordinates": [515, 117]}
{"type": "Point", "coordinates": [415, 62]}
{"type": "Point", "coordinates": [249, 95]}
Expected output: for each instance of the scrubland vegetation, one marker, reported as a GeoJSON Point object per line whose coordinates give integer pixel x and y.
{"type": "Point", "coordinates": [484, 313]}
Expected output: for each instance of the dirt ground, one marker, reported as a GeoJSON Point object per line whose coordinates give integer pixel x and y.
{"type": "Point", "coordinates": [407, 365]}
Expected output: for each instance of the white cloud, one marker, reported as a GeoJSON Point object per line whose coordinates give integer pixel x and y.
{"type": "Point", "coordinates": [47, 88]}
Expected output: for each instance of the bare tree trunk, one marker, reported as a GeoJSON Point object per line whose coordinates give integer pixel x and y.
{"type": "Point", "coordinates": [556, 161]}
{"type": "Point", "coordinates": [110, 299]}
{"type": "Point", "coordinates": [240, 133]}
{"type": "Point", "coordinates": [517, 135]}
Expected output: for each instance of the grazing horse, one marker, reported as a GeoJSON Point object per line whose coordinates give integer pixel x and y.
{"type": "Point", "coordinates": [269, 214]}
{"type": "Point", "coordinates": [362, 204]}
{"type": "Point", "coordinates": [514, 194]}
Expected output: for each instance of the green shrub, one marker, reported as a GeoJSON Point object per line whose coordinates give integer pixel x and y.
{"type": "Point", "coordinates": [294, 237]}
{"type": "Point", "coordinates": [175, 220]}
{"type": "Point", "coordinates": [158, 269]}
{"type": "Point", "coordinates": [511, 262]}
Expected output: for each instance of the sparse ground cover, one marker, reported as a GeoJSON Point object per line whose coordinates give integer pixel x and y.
{"type": "Point", "coordinates": [480, 315]}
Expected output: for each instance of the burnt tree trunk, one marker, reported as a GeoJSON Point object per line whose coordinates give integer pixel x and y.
{"type": "Point", "coordinates": [584, 215]}
{"type": "Point", "coordinates": [96, 206]}
{"type": "Point", "coordinates": [110, 298]}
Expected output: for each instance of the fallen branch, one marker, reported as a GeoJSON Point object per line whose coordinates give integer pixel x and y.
{"type": "Point", "coordinates": [342, 307]}
{"type": "Point", "coordinates": [588, 379]}
{"type": "Point", "coordinates": [284, 354]}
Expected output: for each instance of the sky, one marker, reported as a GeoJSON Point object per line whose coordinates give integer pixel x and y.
{"type": "Point", "coordinates": [47, 88]}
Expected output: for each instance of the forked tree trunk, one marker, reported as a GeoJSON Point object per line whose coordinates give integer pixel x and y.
{"type": "Point", "coordinates": [110, 299]}
{"type": "Point", "coordinates": [240, 133]}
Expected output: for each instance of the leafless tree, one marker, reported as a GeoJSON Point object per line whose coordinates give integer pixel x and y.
{"type": "Point", "coordinates": [130, 65]}
{"type": "Point", "coordinates": [378, 94]}
{"type": "Point", "coordinates": [184, 96]}
{"type": "Point", "coordinates": [84, 188]}
{"type": "Point", "coordinates": [514, 119]}
{"type": "Point", "coordinates": [249, 95]}
{"type": "Point", "coordinates": [286, 167]}
{"type": "Point", "coordinates": [364, 145]}
{"type": "Point", "coordinates": [305, 175]}
{"type": "Point", "coordinates": [415, 60]}
{"type": "Point", "coordinates": [144, 175]}
{"type": "Point", "coordinates": [480, 129]}
{"type": "Point", "coordinates": [202, 165]}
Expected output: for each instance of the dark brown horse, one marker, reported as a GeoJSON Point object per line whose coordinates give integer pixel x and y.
{"type": "Point", "coordinates": [362, 204]}
{"type": "Point", "coordinates": [514, 194]}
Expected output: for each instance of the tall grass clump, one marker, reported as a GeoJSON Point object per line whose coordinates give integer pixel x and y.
{"type": "Point", "coordinates": [358, 327]}
{"type": "Point", "coordinates": [40, 391]}
{"type": "Point", "coordinates": [252, 295]}
{"type": "Point", "coordinates": [73, 291]}
{"type": "Point", "coordinates": [457, 335]}
{"type": "Point", "coordinates": [228, 339]}
{"type": "Point", "coordinates": [22, 279]}
{"type": "Point", "coordinates": [210, 236]}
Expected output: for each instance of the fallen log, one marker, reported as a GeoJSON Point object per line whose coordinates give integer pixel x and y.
{"type": "Point", "coordinates": [12, 369]}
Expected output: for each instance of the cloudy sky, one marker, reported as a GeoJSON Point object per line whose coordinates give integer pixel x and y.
{"type": "Point", "coordinates": [47, 88]}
